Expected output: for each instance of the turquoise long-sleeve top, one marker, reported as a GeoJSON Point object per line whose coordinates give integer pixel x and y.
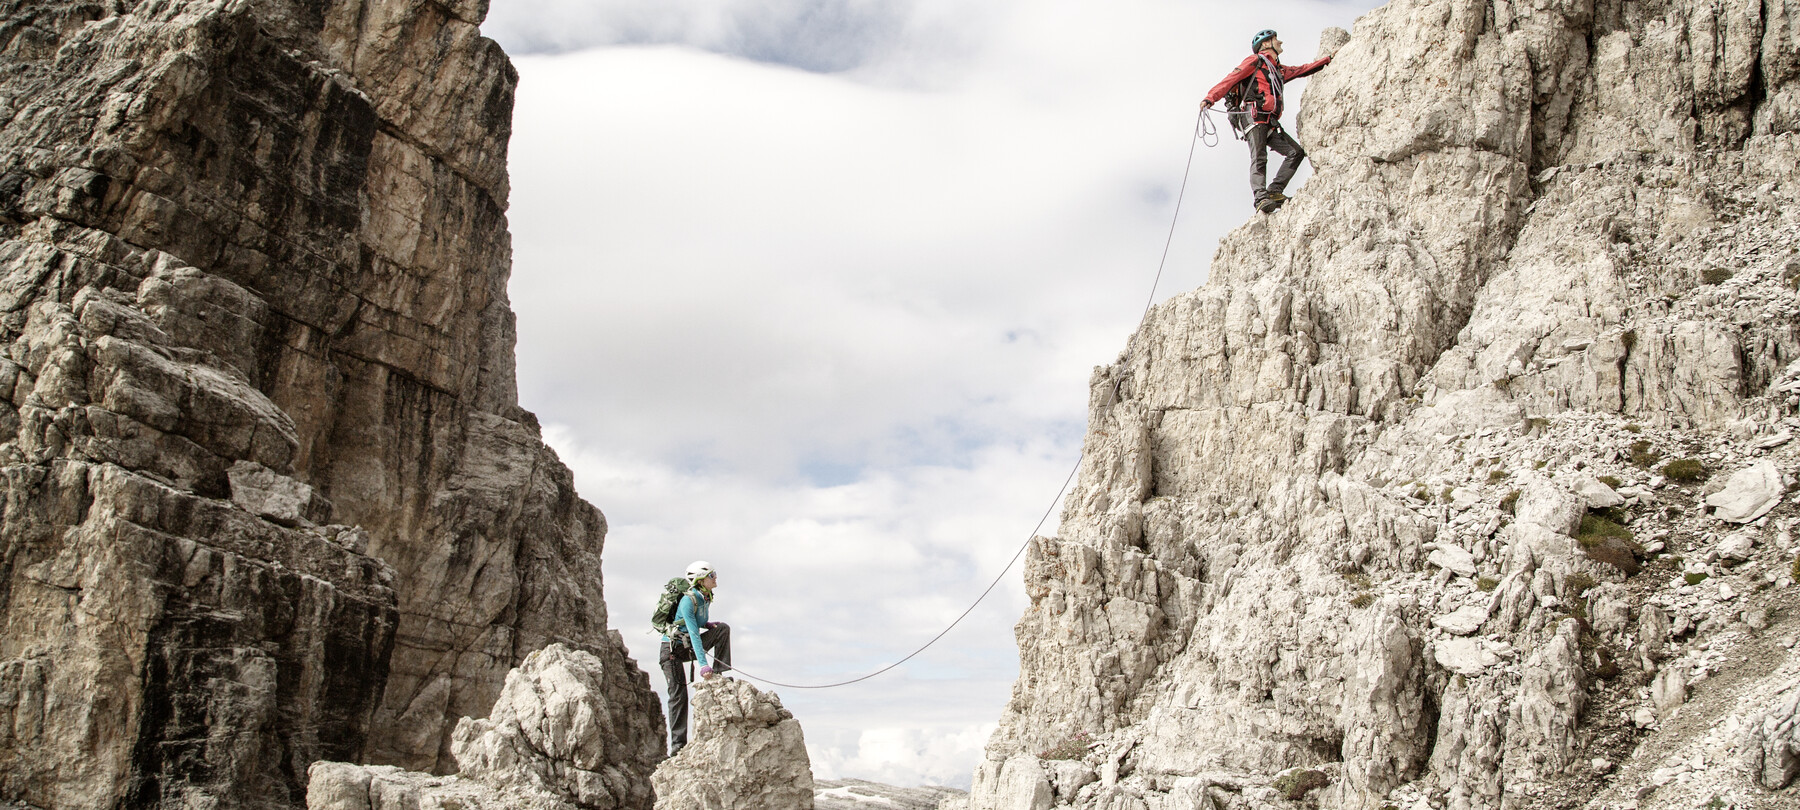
{"type": "Point", "coordinates": [691, 613]}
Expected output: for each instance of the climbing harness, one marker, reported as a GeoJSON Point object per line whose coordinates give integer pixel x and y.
{"type": "Point", "coordinates": [1202, 128]}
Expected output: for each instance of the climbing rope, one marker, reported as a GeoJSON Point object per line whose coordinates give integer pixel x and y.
{"type": "Point", "coordinates": [1202, 125]}
{"type": "Point", "coordinates": [1203, 128]}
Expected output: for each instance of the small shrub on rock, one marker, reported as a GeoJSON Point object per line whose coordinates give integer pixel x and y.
{"type": "Point", "coordinates": [1510, 500]}
{"type": "Point", "coordinates": [1487, 584]}
{"type": "Point", "coordinates": [1604, 540]}
{"type": "Point", "coordinates": [1642, 455]}
{"type": "Point", "coordinates": [1596, 527]}
{"type": "Point", "coordinates": [1685, 470]}
{"type": "Point", "coordinates": [1579, 583]}
{"type": "Point", "coordinates": [1362, 600]}
{"type": "Point", "coordinates": [1294, 785]}
{"type": "Point", "coordinates": [1715, 275]}
{"type": "Point", "coordinates": [1610, 480]}
{"type": "Point", "coordinates": [1695, 578]}
{"type": "Point", "coordinates": [1075, 747]}
{"type": "Point", "coordinates": [1496, 476]}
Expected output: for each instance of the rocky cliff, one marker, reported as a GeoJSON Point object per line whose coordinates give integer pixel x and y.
{"type": "Point", "coordinates": [551, 742]}
{"type": "Point", "coordinates": [269, 496]}
{"type": "Point", "coordinates": [1463, 481]}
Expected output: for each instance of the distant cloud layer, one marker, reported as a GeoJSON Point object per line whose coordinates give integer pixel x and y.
{"type": "Point", "coordinates": [823, 36]}
{"type": "Point", "coordinates": [813, 290]}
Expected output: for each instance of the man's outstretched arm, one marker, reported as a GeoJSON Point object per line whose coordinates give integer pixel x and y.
{"type": "Point", "coordinates": [1289, 74]}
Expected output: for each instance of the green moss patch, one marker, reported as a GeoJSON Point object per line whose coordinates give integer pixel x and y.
{"type": "Point", "coordinates": [1685, 470]}
{"type": "Point", "coordinates": [1294, 785]}
{"type": "Point", "coordinates": [1604, 540]}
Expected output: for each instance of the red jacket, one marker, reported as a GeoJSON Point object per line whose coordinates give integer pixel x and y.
{"type": "Point", "coordinates": [1270, 108]}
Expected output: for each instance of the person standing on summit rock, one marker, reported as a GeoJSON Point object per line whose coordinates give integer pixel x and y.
{"type": "Point", "coordinates": [1262, 77]}
{"type": "Point", "coordinates": [687, 635]}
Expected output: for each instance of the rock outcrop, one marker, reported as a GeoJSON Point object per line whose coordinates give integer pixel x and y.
{"type": "Point", "coordinates": [1409, 504]}
{"type": "Point", "coordinates": [554, 740]}
{"type": "Point", "coordinates": [747, 753]}
{"type": "Point", "coordinates": [270, 497]}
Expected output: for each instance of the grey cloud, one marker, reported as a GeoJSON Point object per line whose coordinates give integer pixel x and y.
{"type": "Point", "coordinates": [822, 36]}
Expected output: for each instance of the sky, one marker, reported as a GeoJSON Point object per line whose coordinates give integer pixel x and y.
{"type": "Point", "coordinates": [812, 290]}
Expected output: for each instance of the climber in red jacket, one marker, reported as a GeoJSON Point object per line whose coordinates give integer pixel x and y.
{"type": "Point", "coordinates": [1263, 76]}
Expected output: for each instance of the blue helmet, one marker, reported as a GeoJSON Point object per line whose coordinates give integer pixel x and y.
{"type": "Point", "coordinates": [1256, 42]}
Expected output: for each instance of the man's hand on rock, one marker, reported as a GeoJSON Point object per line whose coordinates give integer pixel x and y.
{"type": "Point", "coordinates": [706, 673]}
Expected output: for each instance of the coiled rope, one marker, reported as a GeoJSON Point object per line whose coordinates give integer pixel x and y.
{"type": "Point", "coordinates": [1203, 128]}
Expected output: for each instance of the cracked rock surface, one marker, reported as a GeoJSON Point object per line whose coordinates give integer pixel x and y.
{"type": "Point", "coordinates": [1464, 481]}
{"type": "Point", "coordinates": [269, 495]}
{"type": "Point", "coordinates": [747, 753]}
{"type": "Point", "coordinates": [553, 741]}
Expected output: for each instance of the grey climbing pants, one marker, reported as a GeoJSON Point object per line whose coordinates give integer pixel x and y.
{"type": "Point", "coordinates": [715, 639]}
{"type": "Point", "coordinates": [1262, 138]}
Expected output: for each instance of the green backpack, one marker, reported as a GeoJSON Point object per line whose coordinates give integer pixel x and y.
{"type": "Point", "coordinates": [663, 620]}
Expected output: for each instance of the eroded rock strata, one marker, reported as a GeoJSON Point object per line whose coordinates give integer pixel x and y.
{"type": "Point", "coordinates": [1463, 482]}
{"type": "Point", "coordinates": [269, 495]}
{"type": "Point", "coordinates": [553, 741]}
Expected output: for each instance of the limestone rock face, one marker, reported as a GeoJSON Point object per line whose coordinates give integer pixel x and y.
{"type": "Point", "coordinates": [1384, 501]}
{"type": "Point", "coordinates": [552, 741]}
{"type": "Point", "coordinates": [747, 753]}
{"type": "Point", "coordinates": [270, 496]}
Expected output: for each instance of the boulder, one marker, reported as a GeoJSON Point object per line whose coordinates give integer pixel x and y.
{"type": "Point", "coordinates": [1462, 621]}
{"type": "Point", "coordinates": [1737, 547]}
{"type": "Point", "coordinates": [1464, 656]}
{"type": "Point", "coordinates": [548, 744]}
{"type": "Point", "coordinates": [1771, 743]}
{"type": "Point", "coordinates": [1595, 492]}
{"type": "Point", "coordinates": [1669, 690]}
{"type": "Point", "coordinates": [747, 753]}
{"type": "Point", "coordinates": [264, 492]}
{"type": "Point", "coordinates": [1453, 558]}
{"type": "Point", "coordinates": [1749, 494]}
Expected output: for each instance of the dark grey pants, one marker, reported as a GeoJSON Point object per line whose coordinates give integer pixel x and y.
{"type": "Point", "coordinates": [1262, 138]}
{"type": "Point", "coordinates": [715, 640]}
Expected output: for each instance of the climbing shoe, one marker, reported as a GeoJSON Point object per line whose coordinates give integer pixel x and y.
{"type": "Point", "coordinates": [1278, 197]}
{"type": "Point", "coordinates": [1268, 205]}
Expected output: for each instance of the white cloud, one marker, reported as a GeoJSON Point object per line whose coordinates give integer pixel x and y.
{"type": "Point", "coordinates": [899, 755]}
{"type": "Point", "coordinates": [833, 332]}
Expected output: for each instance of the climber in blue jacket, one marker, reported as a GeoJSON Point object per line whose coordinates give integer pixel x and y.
{"type": "Point", "coordinates": [694, 636]}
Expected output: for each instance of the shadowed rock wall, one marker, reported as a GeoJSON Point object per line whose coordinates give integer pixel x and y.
{"type": "Point", "coordinates": [253, 261]}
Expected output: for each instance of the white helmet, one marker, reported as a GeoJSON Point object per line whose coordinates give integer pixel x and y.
{"type": "Point", "coordinates": [699, 570]}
